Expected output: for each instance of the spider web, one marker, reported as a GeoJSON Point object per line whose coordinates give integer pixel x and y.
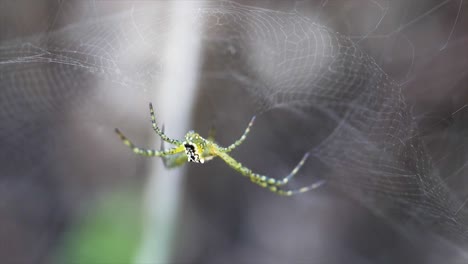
{"type": "Point", "coordinates": [282, 59]}
{"type": "Point", "coordinates": [375, 151]}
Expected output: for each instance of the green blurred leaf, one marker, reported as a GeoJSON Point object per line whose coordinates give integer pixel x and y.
{"type": "Point", "coordinates": [109, 233]}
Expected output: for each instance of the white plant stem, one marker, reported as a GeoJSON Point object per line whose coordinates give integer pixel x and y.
{"type": "Point", "coordinates": [174, 104]}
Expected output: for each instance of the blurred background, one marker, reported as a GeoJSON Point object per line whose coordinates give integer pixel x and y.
{"type": "Point", "coordinates": [375, 90]}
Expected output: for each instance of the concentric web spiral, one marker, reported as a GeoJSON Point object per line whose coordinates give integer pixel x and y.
{"type": "Point", "coordinates": [282, 59]}
{"type": "Point", "coordinates": [374, 151]}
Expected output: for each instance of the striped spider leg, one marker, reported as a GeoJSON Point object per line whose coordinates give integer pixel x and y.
{"type": "Point", "coordinates": [197, 149]}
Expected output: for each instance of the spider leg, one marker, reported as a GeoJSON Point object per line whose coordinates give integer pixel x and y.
{"type": "Point", "coordinates": [211, 133]}
{"type": "Point", "coordinates": [158, 131]}
{"type": "Point", "coordinates": [161, 148]}
{"type": "Point", "coordinates": [293, 173]}
{"type": "Point", "coordinates": [173, 161]}
{"type": "Point", "coordinates": [148, 152]}
{"type": "Point", "coordinates": [297, 191]}
{"type": "Point", "coordinates": [241, 139]}
{"type": "Point", "coordinates": [267, 182]}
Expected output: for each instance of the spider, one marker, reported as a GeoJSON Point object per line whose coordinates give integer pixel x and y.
{"type": "Point", "coordinates": [198, 150]}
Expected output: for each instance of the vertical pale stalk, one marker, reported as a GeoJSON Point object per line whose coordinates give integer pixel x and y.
{"type": "Point", "coordinates": [173, 102]}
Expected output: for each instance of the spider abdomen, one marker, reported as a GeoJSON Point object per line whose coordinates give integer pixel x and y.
{"type": "Point", "coordinates": [192, 153]}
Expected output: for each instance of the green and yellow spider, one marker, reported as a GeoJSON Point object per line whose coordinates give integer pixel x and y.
{"type": "Point", "coordinates": [198, 150]}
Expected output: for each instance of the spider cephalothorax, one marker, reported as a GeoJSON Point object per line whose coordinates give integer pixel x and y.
{"type": "Point", "coordinates": [198, 149]}
{"type": "Point", "coordinates": [194, 147]}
